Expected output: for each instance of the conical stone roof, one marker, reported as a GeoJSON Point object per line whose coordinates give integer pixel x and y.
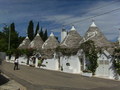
{"type": "Point", "coordinates": [50, 43]}
{"type": "Point", "coordinates": [72, 39]}
{"type": "Point", "coordinates": [49, 46]}
{"type": "Point", "coordinates": [95, 35]}
{"type": "Point", "coordinates": [36, 43]}
{"type": "Point", "coordinates": [24, 44]}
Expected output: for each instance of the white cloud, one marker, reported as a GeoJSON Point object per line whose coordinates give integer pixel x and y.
{"type": "Point", "coordinates": [57, 14]}
{"type": "Point", "coordinates": [108, 23]}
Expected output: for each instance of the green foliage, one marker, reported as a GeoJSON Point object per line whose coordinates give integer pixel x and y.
{"type": "Point", "coordinates": [116, 61]}
{"type": "Point", "coordinates": [41, 33]}
{"type": "Point", "coordinates": [91, 54]}
{"type": "Point", "coordinates": [3, 45]}
{"type": "Point", "coordinates": [4, 35]}
{"type": "Point", "coordinates": [45, 36]}
{"type": "Point", "coordinates": [10, 52]}
{"type": "Point", "coordinates": [9, 32]}
{"type": "Point", "coordinates": [37, 29]}
{"type": "Point", "coordinates": [12, 27]}
{"type": "Point", "coordinates": [29, 52]}
{"type": "Point", "coordinates": [21, 38]}
{"type": "Point", "coordinates": [30, 30]}
{"type": "Point", "coordinates": [14, 39]}
{"type": "Point", "coordinates": [67, 51]}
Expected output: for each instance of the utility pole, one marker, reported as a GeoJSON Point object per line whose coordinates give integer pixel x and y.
{"type": "Point", "coordinates": [9, 34]}
{"type": "Point", "coordinates": [119, 36]}
{"type": "Point", "coordinates": [9, 30]}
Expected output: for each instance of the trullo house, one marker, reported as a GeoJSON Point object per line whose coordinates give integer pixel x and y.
{"type": "Point", "coordinates": [36, 43]}
{"type": "Point", "coordinates": [49, 53]}
{"type": "Point", "coordinates": [105, 59]}
{"type": "Point", "coordinates": [70, 58]}
{"type": "Point", "coordinates": [24, 45]}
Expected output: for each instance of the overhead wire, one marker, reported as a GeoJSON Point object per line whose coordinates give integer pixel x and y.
{"type": "Point", "coordinates": [101, 7]}
{"type": "Point", "coordinates": [94, 16]}
{"type": "Point", "coordinates": [91, 17]}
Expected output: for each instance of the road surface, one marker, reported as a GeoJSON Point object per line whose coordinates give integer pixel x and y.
{"type": "Point", "coordinates": [40, 79]}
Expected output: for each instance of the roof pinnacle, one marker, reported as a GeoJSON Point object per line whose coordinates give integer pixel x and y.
{"type": "Point", "coordinates": [93, 23]}
{"type": "Point", "coordinates": [73, 28]}
{"type": "Point", "coordinates": [51, 34]}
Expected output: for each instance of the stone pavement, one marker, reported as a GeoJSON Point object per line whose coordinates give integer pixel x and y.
{"type": "Point", "coordinates": [40, 79]}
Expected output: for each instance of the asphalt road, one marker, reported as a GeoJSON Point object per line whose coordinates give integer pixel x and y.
{"type": "Point", "coordinates": [40, 79]}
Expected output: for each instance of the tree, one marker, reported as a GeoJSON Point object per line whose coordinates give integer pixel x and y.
{"type": "Point", "coordinates": [12, 27]}
{"type": "Point", "coordinates": [116, 60]}
{"type": "Point", "coordinates": [28, 53]}
{"type": "Point", "coordinates": [45, 36]}
{"type": "Point", "coordinates": [21, 38]}
{"type": "Point", "coordinates": [3, 42]}
{"type": "Point", "coordinates": [9, 36]}
{"type": "Point", "coordinates": [30, 30]}
{"type": "Point", "coordinates": [5, 36]}
{"type": "Point", "coordinates": [41, 33]}
{"type": "Point", "coordinates": [3, 45]}
{"type": "Point", "coordinates": [14, 39]}
{"type": "Point", "coordinates": [37, 29]}
{"type": "Point", "coordinates": [91, 53]}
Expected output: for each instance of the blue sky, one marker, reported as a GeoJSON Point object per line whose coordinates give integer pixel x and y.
{"type": "Point", "coordinates": [53, 14]}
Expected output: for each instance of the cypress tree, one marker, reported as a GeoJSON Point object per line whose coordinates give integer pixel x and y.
{"type": "Point", "coordinates": [37, 29]}
{"type": "Point", "coordinates": [30, 30]}
{"type": "Point", "coordinates": [13, 37]}
{"type": "Point", "coordinates": [41, 33]}
{"type": "Point", "coordinates": [12, 27]}
{"type": "Point", "coordinates": [45, 35]}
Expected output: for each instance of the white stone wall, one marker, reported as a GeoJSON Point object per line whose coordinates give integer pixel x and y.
{"type": "Point", "coordinates": [51, 64]}
{"type": "Point", "coordinates": [12, 59]}
{"type": "Point", "coordinates": [105, 67]}
{"type": "Point", "coordinates": [22, 60]}
{"type": "Point", "coordinates": [74, 64]}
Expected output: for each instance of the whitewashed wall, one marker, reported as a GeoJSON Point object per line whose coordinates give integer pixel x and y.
{"type": "Point", "coordinates": [63, 35]}
{"type": "Point", "coordinates": [105, 66]}
{"type": "Point", "coordinates": [23, 60]}
{"type": "Point", "coordinates": [12, 59]}
{"type": "Point", "coordinates": [75, 65]}
{"type": "Point", "coordinates": [51, 64]}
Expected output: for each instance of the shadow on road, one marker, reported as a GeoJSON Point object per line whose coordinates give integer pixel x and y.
{"type": "Point", "coordinates": [3, 80]}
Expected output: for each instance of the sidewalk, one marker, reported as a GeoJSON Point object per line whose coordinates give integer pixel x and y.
{"type": "Point", "coordinates": [10, 84]}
